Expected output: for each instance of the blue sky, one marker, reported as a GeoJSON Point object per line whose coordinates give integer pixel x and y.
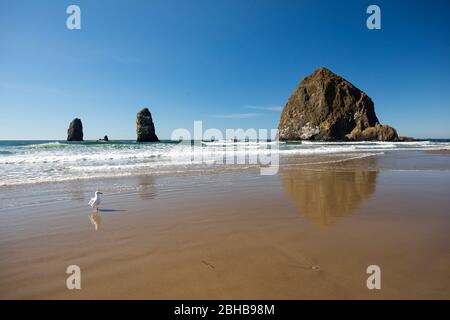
{"type": "Point", "coordinates": [232, 64]}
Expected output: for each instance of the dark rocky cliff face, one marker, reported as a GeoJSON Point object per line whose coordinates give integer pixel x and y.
{"type": "Point", "coordinates": [325, 106]}
{"type": "Point", "coordinates": [145, 129]}
{"type": "Point", "coordinates": [75, 131]}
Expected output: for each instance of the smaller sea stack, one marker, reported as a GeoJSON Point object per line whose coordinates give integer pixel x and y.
{"type": "Point", "coordinates": [75, 131]}
{"type": "Point", "coordinates": [145, 129]}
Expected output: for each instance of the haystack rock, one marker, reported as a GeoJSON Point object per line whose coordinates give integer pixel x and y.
{"type": "Point", "coordinates": [324, 106]}
{"type": "Point", "coordinates": [75, 131]}
{"type": "Point", "coordinates": [145, 129]}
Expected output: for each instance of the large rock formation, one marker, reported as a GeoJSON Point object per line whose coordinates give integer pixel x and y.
{"type": "Point", "coordinates": [145, 129]}
{"type": "Point", "coordinates": [324, 106]}
{"type": "Point", "coordinates": [75, 131]}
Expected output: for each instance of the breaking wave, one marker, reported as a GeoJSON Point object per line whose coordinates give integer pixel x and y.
{"type": "Point", "coordinates": [28, 162]}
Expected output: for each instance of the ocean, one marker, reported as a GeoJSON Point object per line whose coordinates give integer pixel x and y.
{"type": "Point", "coordinates": [32, 162]}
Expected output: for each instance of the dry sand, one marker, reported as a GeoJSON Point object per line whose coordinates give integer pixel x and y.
{"type": "Point", "coordinates": [309, 232]}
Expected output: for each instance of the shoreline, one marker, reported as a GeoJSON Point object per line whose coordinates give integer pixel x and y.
{"type": "Point", "coordinates": [24, 163]}
{"type": "Point", "coordinates": [286, 160]}
{"type": "Point", "coordinates": [304, 233]}
{"type": "Point", "coordinates": [115, 185]}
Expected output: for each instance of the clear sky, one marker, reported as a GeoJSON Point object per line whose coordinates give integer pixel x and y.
{"type": "Point", "coordinates": [232, 64]}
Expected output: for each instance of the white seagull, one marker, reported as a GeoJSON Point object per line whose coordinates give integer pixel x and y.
{"type": "Point", "coordinates": [95, 201]}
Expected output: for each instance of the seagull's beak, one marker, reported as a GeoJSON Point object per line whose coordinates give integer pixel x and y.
{"type": "Point", "coordinates": [100, 193]}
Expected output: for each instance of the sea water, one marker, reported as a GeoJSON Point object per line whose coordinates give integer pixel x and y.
{"type": "Point", "coordinates": [32, 162]}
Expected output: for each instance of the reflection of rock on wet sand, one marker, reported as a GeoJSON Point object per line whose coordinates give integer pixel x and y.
{"type": "Point", "coordinates": [325, 196]}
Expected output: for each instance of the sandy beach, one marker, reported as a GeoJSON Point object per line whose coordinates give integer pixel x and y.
{"type": "Point", "coordinates": [308, 232]}
{"type": "Point", "coordinates": [231, 158]}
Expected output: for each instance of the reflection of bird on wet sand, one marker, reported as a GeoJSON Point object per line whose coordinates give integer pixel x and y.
{"type": "Point", "coordinates": [95, 219]}
{"type": "Point", "coordinates": [325, 196]}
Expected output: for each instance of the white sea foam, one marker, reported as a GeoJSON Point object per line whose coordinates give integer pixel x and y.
{"type": "Point", "coordinates": [49, 161]}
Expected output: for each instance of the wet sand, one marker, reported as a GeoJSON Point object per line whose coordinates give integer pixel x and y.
{"type": "Point", "coordinates": [309, 232]}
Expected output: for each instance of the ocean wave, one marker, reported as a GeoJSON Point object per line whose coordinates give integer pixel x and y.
{"type": "Point", "coordinates": [55, 144]}
{"type": "Point", "coordinates": [350, 158]}
{"type": "Point", "coordinates": [369, 143]}
{"type": "Point", "coordinates": [48, 161]}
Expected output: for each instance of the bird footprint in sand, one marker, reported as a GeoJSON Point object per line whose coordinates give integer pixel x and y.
{"type": "Point", "coordinates": [208, 264]}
